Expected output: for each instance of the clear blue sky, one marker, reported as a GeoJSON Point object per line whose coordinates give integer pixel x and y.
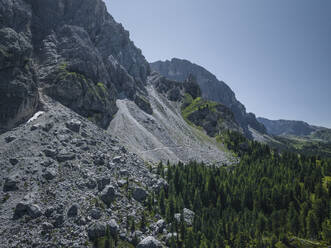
{"type": "Point", "coordinates": [274, 54]}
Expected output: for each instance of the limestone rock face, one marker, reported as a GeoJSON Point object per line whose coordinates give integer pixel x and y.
{"type": "Point", "coordinates": [212, 89]}
{"type": "Point", "coordinates": [72, 50]}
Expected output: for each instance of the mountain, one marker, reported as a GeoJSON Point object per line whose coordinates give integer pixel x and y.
{"type": "Point", "coordinates": [83, 122]}
{"type": "Point", "coordinates": [212, 89]}
{"type": "Point", "coordinates": [89, 136]}
{"type": "Point", "coordinates": [73, 51]}
{"type": "Point", "coordinates": [296, 128]}
{"type": "Point", "coordinates": [298, 136]}
{"type": "Point", "coordinates": [166, 134]}
{"type": "Point", "coordinates": [286, 127]}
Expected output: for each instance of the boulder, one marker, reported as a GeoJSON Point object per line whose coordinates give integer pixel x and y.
{"type": "Point", "coordinates": [65, 156]}
{"type": "Point", "coordinates": [46, 226]}
{"type": "Point", "coordinates": [149, 242]}
{"type": "Point", "coordinates": [117, 159]}
{"type": "Point", "coordinates": [23, 208]}
{"type": "Point", "coordinates": [74, 125]}
{"type": "Point", "coordinates": [58, 220]}
{"type": "Point", "coordinates": [103, 182]}
{"type": "Point", "coordinates": [11, 184]}
{"type": "Point", "coordinates": [159, 184]}
{"type": "Point", "coordinates": [50, 153]}
{"type": "Point", "coordinates": [139, 194]}
{"type": "Point", "coordinates": [91, 183]}
{"type": "Point", "coordinates": [13, 161]}
{"type": "Point", "coordinates": [169, 237]}
{"type": "Point", "coordinates": [95, 213]}
{"type": "Point", "coordinates": [96, 230]}
{"type": "Point", "coordinates": [113, 227]}
{"type": "Point", "coordinates": [49, 174]}
{"type": "Point", "coordinates": [160, 225]}
{"type": "Point", "coordinates": [108, 195]}
{"type": "Point", "coordinates": [188, 216]}
{"type": "Point", "coordinates": [73, 210]}
{"type": "Point", "coordinates": [10, 138]}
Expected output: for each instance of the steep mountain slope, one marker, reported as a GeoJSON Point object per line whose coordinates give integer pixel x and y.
{"type": "Point", "coordinates": [286, 127]}
{"type": "Point", "coordinates": [73, 50]}
{"type": "Point", "coordinates": [212, 89]}
{"type": "Point", "coordinates": [62, 182]}
{"type": "Point", "coordinates": [164, 134]}
{"type": "Point", "coordinates": [71, 80]}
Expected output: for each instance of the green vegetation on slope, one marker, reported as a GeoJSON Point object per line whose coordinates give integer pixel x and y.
{"type": "Point", "coordinates": [191, 105]}
{"type": "Point", "coordinates": [210, 116]}
{"type": "Point", "coordinates": [303, 145]}
{"type": "Point", "coordinates": [268, 200]}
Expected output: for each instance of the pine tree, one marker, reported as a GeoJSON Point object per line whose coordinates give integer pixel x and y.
{"type": "Point", "coordinates": [312, 225]}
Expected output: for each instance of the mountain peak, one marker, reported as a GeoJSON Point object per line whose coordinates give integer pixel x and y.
{"type": "Point", "coordinates": [212, 89]}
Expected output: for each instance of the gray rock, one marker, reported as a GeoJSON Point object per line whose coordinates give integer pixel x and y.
{"type": "Point", "coordinates": [49, 174]}
{"type": "Point", "coordinates": [13, 161]}
{"type": "Point", "coordinates": [143, 104]}
{"type": "Point", "coordinates": [149, 242]}
{"type": "Point", "coordinates": [159, 184]}
{"type": "Point", "coordinates": [10, 138]}
{"type": "Point", "coordinates": [49, 211]}
{"type": "Point", "coordinates": [46, 127]}
{"type": "Point", "coordinates": [74, 125]}
{"type": "Point", "coordinates": [169, 237]}
{"type": "Point", "coordinates": [124, 173]}
{"type": "Point", "coordinates": [46, 226]}
{"type": "Point", "coordinates": [108, 195]}
{"type": "Point", "coordinates": [91, 183]}
{"type": "Point", "coordinates": [188, 216]}
{"type": "Point", "coordinates": [139, 194]}
{"type": "Point", "coordinates": [58, 220]}
{"type": "Point", "coordinates": [34, 211]}
{"type": "Point", "coordinates": [11, 184]}
{"type": "Point", "coordinates": [65, 156]}
{"type": "Point", "coordinates": [96, 230]}
{"type": "Point", "coordinates": [96, 213]}
{"type": "Point", "coordinates": [160, 225]}
{"type": "Point", "coordinates": [121, 182]}
{"type": "Point", "coordinates": [117, 159]}
{"type": "Point", "coordinates": [113, 227]}
{"type": "Point", "coordinates": [29, 209]}
{"type": "Point", "coordinates": [73, 210]}
{"type": "Point", "coordinates": [50, 153]}
{"type": "Point", "coordinates": [103, 182]}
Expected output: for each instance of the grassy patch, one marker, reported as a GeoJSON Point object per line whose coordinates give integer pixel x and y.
{"type": "Point", "coordinates": [197, 104]}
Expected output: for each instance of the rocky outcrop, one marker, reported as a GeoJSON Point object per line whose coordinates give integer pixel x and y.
{"type": "Point", "coordinates": [18, 84]}
{"type": "Point", "coordinates": [74, 51]}
{"type": "Point", "coordinates": [212, 89]}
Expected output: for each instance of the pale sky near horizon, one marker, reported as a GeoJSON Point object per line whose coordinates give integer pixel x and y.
{"type": "Point", "coordinates": [274, 54]}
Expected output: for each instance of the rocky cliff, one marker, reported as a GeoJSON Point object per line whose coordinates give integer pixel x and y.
{"type": "Point", "coordinates": [73, 51]}
{"type": "Point", "coordinates": [212, 89]}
